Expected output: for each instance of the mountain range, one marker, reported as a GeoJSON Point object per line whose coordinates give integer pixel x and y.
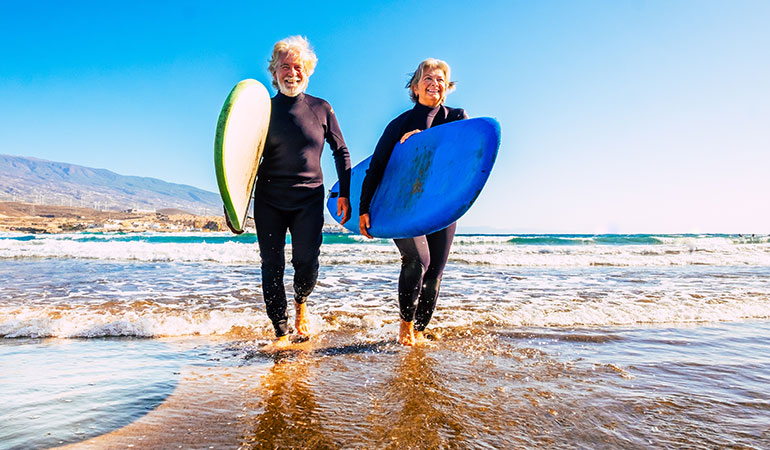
{"type": "Point", "coordinates": [32, 180]}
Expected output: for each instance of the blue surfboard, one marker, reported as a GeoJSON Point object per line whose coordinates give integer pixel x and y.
{"type": "Point", "coordinates": [431, 180]}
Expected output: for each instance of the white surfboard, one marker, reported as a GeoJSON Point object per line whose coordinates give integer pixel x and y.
{"type": "Point", "coordinates": [238, 145]}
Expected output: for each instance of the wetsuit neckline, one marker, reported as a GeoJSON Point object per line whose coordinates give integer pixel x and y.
{"type": "Point", "coordinates": [280, 96]}
{"type": "Point", "coordinates": [420, 107]}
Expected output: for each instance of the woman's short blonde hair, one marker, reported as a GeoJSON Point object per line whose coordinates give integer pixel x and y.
{"type": "Point", "coordinates": [428, 64]}
{"type": "Point", "coordinates": [297, 45]}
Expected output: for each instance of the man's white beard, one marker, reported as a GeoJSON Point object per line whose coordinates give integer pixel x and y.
{"type": "Point", "coordinates": [289, 92]}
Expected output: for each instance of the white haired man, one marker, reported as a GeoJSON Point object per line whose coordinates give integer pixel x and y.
{"type": "Point", "coordinates": [289, 190]}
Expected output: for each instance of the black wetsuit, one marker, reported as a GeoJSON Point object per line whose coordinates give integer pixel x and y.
{"type": "Point", "coordinates": [290, 196]}
{"type": "Point", "coordinates": [423, 258]}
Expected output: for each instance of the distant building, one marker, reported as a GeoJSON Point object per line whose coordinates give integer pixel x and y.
{"type": "Point", "coordinates": [139, 211]}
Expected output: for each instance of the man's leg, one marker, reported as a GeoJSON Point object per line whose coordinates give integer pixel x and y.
{"type": "Point", "coordinates": [271, 234]}
{"type": "Point", "coordinates": [306, 229]}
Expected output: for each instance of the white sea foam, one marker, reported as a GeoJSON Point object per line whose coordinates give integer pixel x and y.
{"type": "Point", "coordinates": [470, 250]}
{"type": "Point", "coordinates": [568, 311]}
{"type": "Point", "coordinates": [118, 285]}
{"type": "Point", "coordinates": [629, 255]}
{"type": "Point", "coordinates": [374, 321]}
{"type": "Point", "coordinates": [228, 252]}
{"type": "Point", "coordinates": [90, 322]}
{"type": "Point", "coordinates": [481, 239]}
{"type": "Point", "coordinates": [364, 301]}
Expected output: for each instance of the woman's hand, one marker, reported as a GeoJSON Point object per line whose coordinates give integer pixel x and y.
{"type": "Point", "coordinates": [407, 135]}
{"type": "Point", "coordinates": [364, 224]}
{"type": "Point", "coordinates": [343, 209]}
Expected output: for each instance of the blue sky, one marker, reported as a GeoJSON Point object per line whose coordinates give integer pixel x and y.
{"type": "Point", "coordinates": [617, 116]}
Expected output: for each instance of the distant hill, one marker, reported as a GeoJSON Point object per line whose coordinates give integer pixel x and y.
{"type": "Point", "coordinates": [33, 180]}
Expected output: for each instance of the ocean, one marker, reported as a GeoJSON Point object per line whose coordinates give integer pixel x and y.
{"type": "Point", "coordinates": [538, 341]}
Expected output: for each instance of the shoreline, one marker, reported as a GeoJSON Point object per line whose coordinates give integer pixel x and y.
{"type": "Point", "coordinates": [186, 418]}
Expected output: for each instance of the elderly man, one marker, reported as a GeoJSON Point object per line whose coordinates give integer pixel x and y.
{"type": "Point", "coordinates": [289, 189]}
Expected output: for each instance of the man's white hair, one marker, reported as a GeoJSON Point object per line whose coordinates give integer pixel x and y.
{"type": "Point", "coordinates": [297, 45]}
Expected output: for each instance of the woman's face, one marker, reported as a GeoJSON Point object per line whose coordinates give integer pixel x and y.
{"type": "Point", "coordinates": [430, 89]}
{"type": "Point", "coordinates": [290, 75]}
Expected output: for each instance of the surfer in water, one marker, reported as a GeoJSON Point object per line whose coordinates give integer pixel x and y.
{"type": "Point", "coordinates": [422, 257]}
{"type": "Point", "coordinates": [289, 189]}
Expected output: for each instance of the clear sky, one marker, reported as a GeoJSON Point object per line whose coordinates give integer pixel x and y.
{"type": "Point", "coordinates": [617, 116]}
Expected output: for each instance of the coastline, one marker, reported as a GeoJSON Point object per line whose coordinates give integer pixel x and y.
{"type": "Point", "coordinates": [52, 219]}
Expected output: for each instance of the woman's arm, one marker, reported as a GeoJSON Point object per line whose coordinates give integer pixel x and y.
{"type": "Point", "coordinates": [378, 164]}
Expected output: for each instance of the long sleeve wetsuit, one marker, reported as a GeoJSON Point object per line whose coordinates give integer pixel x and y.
{"type": "Point", "coordinates": [290, 196]}
{"type": "Point", "coordinates": [423, 258]}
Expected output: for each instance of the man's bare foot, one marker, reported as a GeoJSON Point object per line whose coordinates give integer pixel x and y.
{"type": "Point", "coordinates": [301, 319]}
{"type": "Point", "coordinates": [406, 333]}
{"type": "Point", "coordinates": [282, 343]}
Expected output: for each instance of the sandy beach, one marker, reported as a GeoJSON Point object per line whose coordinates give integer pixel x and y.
{"type": "Point", "coordinates": [222, 394]}
{"type": "Point", "coordinates": [553, 388]}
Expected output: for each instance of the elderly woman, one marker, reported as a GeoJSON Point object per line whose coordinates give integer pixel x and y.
{"type": "Point", "coordinates": [289, 189]}
{"type": "Point", "coordinates": [422, 257]}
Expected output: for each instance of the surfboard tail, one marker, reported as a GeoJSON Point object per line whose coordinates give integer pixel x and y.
{"type": "Point", "coordinates": [240, 138]}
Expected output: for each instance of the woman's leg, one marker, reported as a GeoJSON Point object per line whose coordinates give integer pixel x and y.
{"type": "Point", "coordinates": [439, 244]}
{"type": "Point", "coordinates": [415, 258]}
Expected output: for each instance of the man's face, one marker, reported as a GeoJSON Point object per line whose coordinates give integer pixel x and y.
{"type": "Point", "coordinates": [290, 75]}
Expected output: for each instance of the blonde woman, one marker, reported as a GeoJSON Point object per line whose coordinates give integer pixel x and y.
{"type": "Point", "coordinates": [289, 190]}
{"type": "Point", "coordinates": [422, 257]}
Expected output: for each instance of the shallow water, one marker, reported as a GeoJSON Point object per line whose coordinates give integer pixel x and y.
{"type": "Point", "coordinates": [700, 386]}
{"type": "Point", "coordinates": [642, 342]}
{"type": "Point", "coordinates": [532, 389]}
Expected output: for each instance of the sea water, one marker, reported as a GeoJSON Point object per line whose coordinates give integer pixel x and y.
{"type": "Point", "coordinates": [567, 341]}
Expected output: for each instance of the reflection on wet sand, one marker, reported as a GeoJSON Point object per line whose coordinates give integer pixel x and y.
{"type": "Point", "coordinates": [412, 408]}
{"type": "Point", "coordinates": [290, 416]}
{"type": "Point", "coordinates": [470, 390]}
{"type": "Point", "coordinates": [464, 393]}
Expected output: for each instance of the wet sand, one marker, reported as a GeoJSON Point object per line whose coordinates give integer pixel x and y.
{"type": "Point", "coordinates": [206, 410]}
{"type": "Point", "coordinates": [524, 389]}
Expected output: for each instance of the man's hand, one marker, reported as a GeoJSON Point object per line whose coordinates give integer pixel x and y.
{"type": "Point", "coordinates": [343, 209]}
{"type": "Point", "coordinates": [229, 225]}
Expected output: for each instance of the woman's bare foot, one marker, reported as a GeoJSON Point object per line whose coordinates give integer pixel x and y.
{"type": "Point", "coordinates": [406, 333]}
{"type": "Point", "coordinates": [301, 319]}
